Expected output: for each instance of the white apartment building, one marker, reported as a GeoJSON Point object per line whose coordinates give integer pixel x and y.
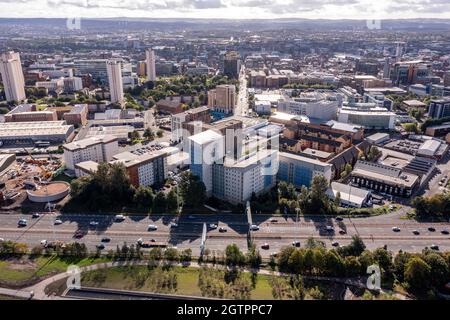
{"type": "Point", "coordinates": [73, 84]}
{"type": "Point", "coordinates": [222, 98]}
{"type": "Point", "coordinates": [369, 118]}
{"type": "Point", "coordinates": [243, 178]}
{"type": "Point", "coordinates": [316, 105]}
{"type": "Point", "coordinates": [52, 85]}
{"type": "Point", "coordinates": [12, 76]}
{"type": "Point", "coordinates": [98, 149]}
{"type": "Point", "coordinates": [150, 59]}
{"type": "Point", "coordinates": [114, 71]}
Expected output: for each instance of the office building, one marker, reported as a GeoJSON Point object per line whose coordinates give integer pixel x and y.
{"type": "Point", "coordinates": [439, 108]}
{"type": "Point", "coordinates": [350, 196]}
{"type": "Point", "coordinates": [12, 76]}
{"type": "Point", "coordinates": [316, 105]}
{"type": "Point", "coordinates": [232, 64]}
{"type": "Point", "coordinates": [197, 114]}
{"type": "Point", "coordinates": [300, 170]}
{"type": "Point", "coordinates": [222, 99]}
{"type": "Point", "coordinates": [72, 84]}
{"type": "Point", "coordinates": [150, 59]}
{"type": "Point", "coordinates": [77, 115]}
{"type": "Point", "coordinates": [115, 81]}
{"type": "Point", "coordinates": [98, 149]}
{"type": "Point", "coordinates": [369, 117]}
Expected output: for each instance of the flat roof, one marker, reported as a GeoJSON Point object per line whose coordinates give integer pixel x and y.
{"type": "Point", "coordinates": [36, 128]}
{"type": "Point", "coordinates": [262, 154]}
{"type": "Point", "coordinates": [205, 137]}
{"type": "Point", "coordinates": [130, 159]}
{"type": "Point", "coordinates": [317, 153]}
{"type": "Point", "coordinates": [303, 159]}
{"type": "Point", "coordinates": [90, 166]}
{"type": "Point", "coordinates": [88, 142]}
{"type": "Point", "coordinates": [348, 193]}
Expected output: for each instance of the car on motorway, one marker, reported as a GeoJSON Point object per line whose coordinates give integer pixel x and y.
{"type": "Point", "coordinates": [434, 247]}
{"type": "Point", "coordinates": [174, 225]}
{"type": "Point", "coordinates": [339, 219]}
{"type": "Point", "coordinates": [79, 234]}
{"type": "Point", "coordinates": [445, 231]}
{"type": "Point", "coordinates": [119, 218]}
{"type": "Point", "coordinates": [93, 223]}
{"type": "Point", "coordinates": [1, 239]}
{"type": "Point", "coordinates": [222, 229]}
{"type": "Point", "coordinates": [44, 243]}
{"type": "Point", "coordinates": [296, 243]}
{"type": "Point", "coordinates": [274, 254]}
{"type": "Point", "coordinates": [416, 232]}
{"type": "Point", "coordinates": [396, 229]}
{"type": "Point", "coordinates": [431, 229]}
{"type": "Point", "coordinates": [254, 227]}
{"type": "Point", "coordinates": [335, 244]}
{"type": "Point", "coordinates": [342, 231]}
{"type": "Point", "coordinates": [273, 220]}
{"type": "Point", "coordinates": [22, 223]}
{"type": "Point", "coordinates": [191, 217]}
{"type": "Point", "coordinates": [265, 246]}
{"type": "Point", "coordinates": [106, 239]}
{"type": "Point", "coordinates": [213, 226]}
{"type": "Point", "coordinates": [100, 246]}
{"type": "Point", "coordinates": [57, 222]}
{"type": "Point", "coordinates": [391, 207]}
{"type": "Point", "coordinates": [329, 228]}
{"type": "Point", "coordinates": [152, 227]}
{"type": "Point", "coordinates": [35, 215]}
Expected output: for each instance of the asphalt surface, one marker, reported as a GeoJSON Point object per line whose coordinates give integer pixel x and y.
{"type": "Point", "coordinates": [375, 231]}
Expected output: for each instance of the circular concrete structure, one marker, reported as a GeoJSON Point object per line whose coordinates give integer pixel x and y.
{"type": "Point", "coordinates": [53, 191]}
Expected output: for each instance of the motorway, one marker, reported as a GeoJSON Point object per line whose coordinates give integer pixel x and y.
{"type": "Point", "coordinates": [375, 231]}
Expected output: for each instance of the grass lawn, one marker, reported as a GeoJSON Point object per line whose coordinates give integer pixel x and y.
{"type": "Point", "coordinates": [25, 269]}
{"type": "Point", "coordinates": [187, 282]}
{"type": "Point", "coordinates": [63, 177]}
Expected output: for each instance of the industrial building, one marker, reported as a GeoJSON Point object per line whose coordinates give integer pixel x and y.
{"type": "Point", "coordinates": [24, 133]}
{"type": "Point", "coordinates": [350, 196]}
{"type": "Point", "coordinates": [384, 179]}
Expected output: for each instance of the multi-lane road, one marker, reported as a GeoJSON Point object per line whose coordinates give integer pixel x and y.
{"type": "Point", "coordinates": [375, 231]}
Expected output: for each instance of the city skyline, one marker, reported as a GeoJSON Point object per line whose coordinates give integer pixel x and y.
{"type": "Point", "coordinates": [227, 9]}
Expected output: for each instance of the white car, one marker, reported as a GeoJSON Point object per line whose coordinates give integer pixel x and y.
{"type": "Point", "coordinates": [213, 226]}
{"type": "Point", "coordinates": [44, 242]}
{"type": "Point", "coordinates": [57, 222]}
{"type": "Point", "coordinates": [174, 225]}
{"type": "Point", "coordinates": [119, 218]}
{"type": "Point", "coordinates": [396, 229]}
{"type": "Point", "coordinates": [22, 223]}
{"type": "Point", "coordinates": [330, 228]}
{"type": "Point", "coordinates": [1, 239]}
{"type": "Point", "coordinates": [254, 227]}
{"type": "Point", "coordinates": [152, 227]}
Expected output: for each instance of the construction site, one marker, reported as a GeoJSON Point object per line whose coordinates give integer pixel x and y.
{"type": "Point", "coordinates": [26, 183]}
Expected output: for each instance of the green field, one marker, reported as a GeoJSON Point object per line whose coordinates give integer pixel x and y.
{"type": "Point", "coordinates": [26, 269]}
{"type": "Point", "coordinates": [186, 278]}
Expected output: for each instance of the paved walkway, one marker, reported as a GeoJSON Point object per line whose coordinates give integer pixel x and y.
{"type": "Point", "coordinates": [39, 288]}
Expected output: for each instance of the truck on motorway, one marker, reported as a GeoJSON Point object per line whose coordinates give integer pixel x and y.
{"type": "Point", "coordinates": [151, 244]}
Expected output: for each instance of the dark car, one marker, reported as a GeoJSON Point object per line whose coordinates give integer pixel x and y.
{"type": "Point", "coordinates": [100, 246]}
{"type": "Point", "coordinates": [339, 219]}
{"type": "Point", "coordinates": [296, 243]}
{"type": "Point", "coordinates": [445, 231]}
{"type": "Point", "coordinates": [342, 232]}
{"type": "Point", "coordinates": [106, 239]}
{"type": "Point", "coordinates": [431, 229]}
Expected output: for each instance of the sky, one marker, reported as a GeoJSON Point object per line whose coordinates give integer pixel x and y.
{"type": "Point", "coordinates": [227, 9]}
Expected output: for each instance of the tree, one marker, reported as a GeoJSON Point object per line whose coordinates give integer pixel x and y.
{"type": "Point", "coordinates": [417, 274]}
{"type": "Point", "coordinates": [355, 248]}
{"type": "Point", "coordinates": [160, 202]}
{"type": "Point", "coordinates": [171, 254]}
{"type": "Point", "coordinates": [172, 200]}
{"type": "Point", "coordinates": [283, 258]}
{"type": "Point", "coordinates": [159, 133]}
{"type": "Point", "coordinates": [439, 268]}
{"type": "Point", "coordinates": [373, 154]}
{"type": "Point", "coordinates": [253, 258]}
{"type": "Point", "coordinates": [234, 256]}
{"type": "Point", "coordinates": [148, 134]}
{"type": "Point", "coordinates": [192, 190]}
{"type": "Point", "coordinates": [186, 255]}
{"type": "Point", "coordinates": [143, 197]}
{"type": "Point", "coordinates": [384, 259]}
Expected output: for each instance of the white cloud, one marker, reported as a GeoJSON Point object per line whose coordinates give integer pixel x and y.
{"type": "Point", "coordinates": [229, 9]}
